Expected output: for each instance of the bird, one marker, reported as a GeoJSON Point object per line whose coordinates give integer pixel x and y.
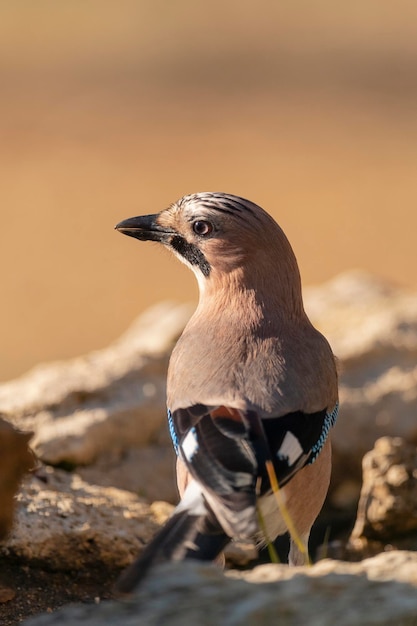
{"type": "Point", "coordinates": [252, 387]}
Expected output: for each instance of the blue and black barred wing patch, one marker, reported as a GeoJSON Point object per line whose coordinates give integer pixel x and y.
{"type": "Point", "coordinates": [294, 440]}
{"type": "Point", "coordinates": [182, 420]}
{"type": "Point", "coordinates": [328, 422]}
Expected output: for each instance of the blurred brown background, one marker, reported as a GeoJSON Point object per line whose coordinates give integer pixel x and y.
{"type": "Point", "coordinates": [112, 109]}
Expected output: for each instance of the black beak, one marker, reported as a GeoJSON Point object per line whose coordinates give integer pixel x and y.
{"type": "Point", "coordinates": [145, 228]}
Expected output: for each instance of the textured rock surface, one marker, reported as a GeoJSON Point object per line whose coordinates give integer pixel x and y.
{"type": "Point", "coordinates": [388, 503]}
{"type": "Point", "coordinates": [381, 591]}
{"type": "Point", "coordinates": [97, 407]}
{"type": "Point", "coordinates": [15, 459]}
{"type": "Point", "coordinates": [65, 523]}
{"type": "Point", "coordinates": [146, 470]}
{"type": "Point", "coordinates": [82, 407]}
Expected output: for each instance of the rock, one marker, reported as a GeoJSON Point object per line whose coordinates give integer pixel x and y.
{"type": "Point", "coordinates": [16, 458]}
{"type": "Point", "coordinates": [64, 523]}
{"type": "Point", "coordinates": [380, 591]}
{"type": "Point", "coordinates": [147, 471]}
{"type": "Point", "coordinates": [372, 328]}
{"type": "Point", "coordinates": [388, 503]}
{"type": "Point", "coordinates": [103, 403]}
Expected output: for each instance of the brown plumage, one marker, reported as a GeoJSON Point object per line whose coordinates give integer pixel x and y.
{"type": "Point", "coordinates": [250, 378]}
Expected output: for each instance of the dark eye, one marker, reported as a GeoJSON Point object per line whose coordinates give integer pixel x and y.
{"type": "Point", "coordinates": [201, 227]}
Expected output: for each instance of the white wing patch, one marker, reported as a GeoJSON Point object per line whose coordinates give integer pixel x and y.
{"type": "Point", "coordinates": [190, 445]}
{"type": "Point", "coordinates": [290, 448]}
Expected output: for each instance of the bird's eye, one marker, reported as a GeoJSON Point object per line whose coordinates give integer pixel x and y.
{"type": "Point", "coordinates": [201, 227]}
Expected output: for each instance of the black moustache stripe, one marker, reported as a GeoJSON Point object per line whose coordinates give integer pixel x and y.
{"type": "Point", "coordinates": [191, 253]}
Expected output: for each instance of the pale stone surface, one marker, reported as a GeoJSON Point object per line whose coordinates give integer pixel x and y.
{"type": "Point", "coordinates": [380, 591]}
{"type": "Point", "coordinates": [148, 471]}
{"type": "Point", "coordinates": [65, 523]}
{"type": "Point", "coordinates": [103, 403]}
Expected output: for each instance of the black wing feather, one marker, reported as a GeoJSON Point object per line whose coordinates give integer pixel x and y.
{"type": "Point", "coordinates": [226, 450]}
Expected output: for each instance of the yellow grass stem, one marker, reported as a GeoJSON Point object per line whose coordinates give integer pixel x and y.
{"type": "Point", "coordinates": [284, 511]}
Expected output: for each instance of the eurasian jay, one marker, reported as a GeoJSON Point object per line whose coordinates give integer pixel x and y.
{"type": "Point", "coordinates": [251, 390]}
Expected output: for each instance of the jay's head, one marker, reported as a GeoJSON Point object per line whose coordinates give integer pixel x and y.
{"type": "Point", "coordinates": [220, 235]}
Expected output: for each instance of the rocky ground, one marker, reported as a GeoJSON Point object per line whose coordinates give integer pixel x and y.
{"type": "Point", "coordinates": [104, 479]}
{"type": "Point", "coordinates": [379, 591]}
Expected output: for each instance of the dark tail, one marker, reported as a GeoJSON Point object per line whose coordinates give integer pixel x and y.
{"type": "Point", "coordinates": [192, 532]}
